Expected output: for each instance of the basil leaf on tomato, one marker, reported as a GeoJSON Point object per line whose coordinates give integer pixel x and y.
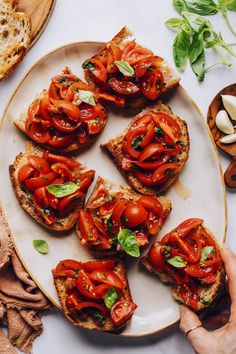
{"type": "Point", "coordinates": [87, 97]}
{"type": "Point", "coordinates": [206, 251]}
{"type": "Point", "coordinates": [177, 262]}
{"type": "Point", "coordinates": [129, 242]}
{"type": "Point", "coordinates": [62, 190]}
{"type": "Point", "coordinates": [124, 67]}
{"type": "Point", "coordinates": [110, 298]}
{"type": "Point", "coordinates": [41, 246]}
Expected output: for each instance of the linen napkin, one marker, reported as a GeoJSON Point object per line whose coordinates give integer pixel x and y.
{"type": "Point", "coordinates": [21, 302]}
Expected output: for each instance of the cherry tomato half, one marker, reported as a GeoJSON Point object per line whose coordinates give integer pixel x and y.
{"type": "Point", "coordinates": [152, 84]}
{"type": "Point", "coordinates": [86, 226]}
{"type": "Point", "coordinates": [134, 214]}
{"type": "Point", "coordinates": [122, 311]}
{"type": "Point", "coordinates": [123, 87]}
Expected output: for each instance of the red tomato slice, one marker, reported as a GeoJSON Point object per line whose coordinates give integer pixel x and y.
{"type": "Point", "coordinates": [189, 297]}
{"type": "Point", "coordinates": [71, 110]}
{"type": "Point", "coordinates": [40, 197]}
{"type": "Point", "coordinates": [68, 161]}
{"type": "Point", "coordinates": [185, 247]}
{"type": "Point", "coordinates": [195, 271]}
{"type": "Point", "coordinates": [116, 100]}
{"type": "Point", "coordinates": [152, 84]}
{"type": "Point", "coordinates": [87, 304]}
{"type": "Point", "coordinates": [39, 164]}
{"type": "Point", "coordinates": [142, 238]}
{"type": "Point", "coordinates": [46, 214]}
{"type": "Point", "coordinates": [68, 203]}
{"type": "Point", "coordinates": [86, 179]}
{"type": "Point", "coordinates": [68, 264]}
{"type": "Point", "coordinates": [135, 55]}
{"type": "Point", "coordinates": [145, 178]}
{"type": "Point", "coordinates": [107, 264]}
{"type": "Point", "coordinates": [70, 95]}
{"type": "Point", "coordinates": [98, 70]}
{"type": "Point", "coordinates": [63, 124]}
{"type": "Point", "coordinates": [64, 79]}
{"type": "Point", "coordinates": [85, 286]}
{"type": "Point", "coordinates": [134, 214]}
{"type": "Point", "coordinates": [54, 92]}
{"type": "Point", "coordinates": [122, 311]}
{"type": "Point", "coordinates": [155, 257]}
{"type": "Point", "coordinates": [151, 204]}
{"type": "Point", "coordinates": [25, 172]}
{"type": "Point", "coordinates": [52, 200]}
{"type": "Point", "coordinates": [186, 226]}
{"type": "Point", "coordinates": [86, 226]}
{"type": "Point", "coordinates": [113, 53]}
{"type": "Point", "coordinates": [99, 198]}
{"type": "Point", "coordinates": [131, 136]}
{"type": "Point", "coordinates": [61, 141]}
{"type": "Point", "coordinates": [95, 125]}
{"type": "Point", "coordinates": [36, 132]}
{"type": "Point", "coordinates": [107, 277]}
{"type": "Point", "coordinates": [163, 172]}
{"type": "Point", "coordinates": [128, 47]}
{"type": "Point", "coordinates": [44, 106]}
{"type": "Point", "coordinates": [145, 63]}
{"type": "Point", "coordinates": [33, 110]}
{"type": "Point", "coordinates": [151, 151]}
{"type": "Point", "coordinates": [168, 121]}
{"type": "Point", "coordinates": [70, 285]}
{"type": "Point", "coordinates": [62, 170]}
{"type": "Point", "coordinates": [123, 87]}
{"type": "Point", "coordinates": [101, 290]}
{"type": "Point", "coordinates": [82, 135]}
{"type": "Point", "coordinates": [103, 243]}
{"type": "Point", "coordinates": [118, 210]}
{"type": "Point", "coordinates": [150, 133]}
{"type": "Point", "coordinates": [41, 181]}
{"type": "Point", "coordinates": [129, 165]}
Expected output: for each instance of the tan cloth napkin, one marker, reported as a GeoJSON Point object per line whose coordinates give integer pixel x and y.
{"type": "Point", "coordinates": [20, 300]}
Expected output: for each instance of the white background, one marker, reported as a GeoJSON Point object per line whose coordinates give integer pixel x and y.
{"type": "Point", "coordinates": [76, 20]}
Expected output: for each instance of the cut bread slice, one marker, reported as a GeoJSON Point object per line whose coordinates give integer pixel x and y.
{"type": "Point", "coordinates": [89, 323]}
{"type": "Point", "coordinates": [115, 150]}
{"type": "Point", "coordinates": [129, 194]}
{"type": "Point", "coordinates": [171, 79]}
{"type": "Point", "coordinates": [207, 294]}
{"type": "Point", "coordinates": [15, 35]}
{"type": "Point", "coordinates": [25, 199]}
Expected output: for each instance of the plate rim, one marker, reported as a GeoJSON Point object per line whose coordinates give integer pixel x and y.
{"type": "Point", "coordinates": [2, 117]}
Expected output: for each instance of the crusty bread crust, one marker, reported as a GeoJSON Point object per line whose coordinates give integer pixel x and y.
{"type": "Point", "coordinates": [89, 323]}
{"type": "Point", "coordinates": [62, 224]}
{"type": "Point", "coordinates": [210, 293]}
{"type": "Point", "coordinates": [171, 79]}
{"type": "Point", "coordinates": [114, 148]}
{"type": "Point", "coordinates": [128, 193]}
{"type": "Point", "coordinates": [15, 37]}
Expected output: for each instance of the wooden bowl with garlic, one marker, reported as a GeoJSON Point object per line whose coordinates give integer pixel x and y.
{"type": "Point", "coordinates": [221, 119]}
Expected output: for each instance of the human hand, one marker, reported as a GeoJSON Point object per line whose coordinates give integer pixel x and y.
{"type": "Point", "coordinates": [222, 340]}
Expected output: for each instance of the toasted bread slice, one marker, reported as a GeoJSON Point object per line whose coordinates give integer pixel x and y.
{"type": "Point", "coordinates": [129, 194]}
{"type": "Point", "coordinates": [171, 79]}
{"type": "Point", "coordinates": [14, 37]}
{"type": "Point", "coordinates": [114, 148]}
{"type": "Point", "coordinates": [25, 200]}
{"type": "Point", "coordinates": [89, 323]}
{"type": "Point", "coordinates": [208, 294]}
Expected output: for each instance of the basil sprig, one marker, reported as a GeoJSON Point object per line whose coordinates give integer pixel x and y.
{"type": "Point", "coordinates": [206, 251]}
{"type": "Point", "coordinates": [177, 262]}
{"type": "Point", "coordinates": [124, 67]}
{"type": "Point", "coordinates": [41, 246]}
{"type": "Point", "coordinates": [110, 298]}
{"type": "Point", "coordinates": [129, 243]}
{"type": "Point", "coordinates": [62, 190]}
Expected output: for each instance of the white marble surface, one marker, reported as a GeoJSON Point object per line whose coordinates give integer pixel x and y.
{"type": "Point", "coordinates": [75, 20]}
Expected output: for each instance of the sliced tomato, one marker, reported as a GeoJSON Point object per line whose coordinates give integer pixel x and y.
{"type": "Point", "coordinates": [101, 290]}
{"type": "Point", "coordinates": [85, 286]}
{"type": "Point", "coordinates": [189, 297]}
{"type": "Point", "coordinates": [103, 243]}
{"type": "Point", "coordinates": [96, 125]}
{"type": "Point", "coordinates": [107, 277]}
{"type": "Point", "coordinates": [107, 264]}
{"type": "Point", "coordinates": [70, 285]}
{"type": "Point", "coordinates": [36, 132]}
{"type": "Point", "coordinates": [143, 120]}
{"type": "Point", "coordinates": [160, 117]}
{"type": "Point", "coordinates": [194, 270]}
{"type": "Point", "coordinates": [123, 87]}
{"type": "Point", "coordinates": [122, 311]}
{"type": "Point", "coordinates": [52, 200]}
{"type": "Point", "coordinates": [131, 136]}
{"type": "Point", "coordinates": [86, 226]}
{"type": "Point", "coordinates": [61, 141]}
{"type": "Point", "coordinates": [46, 214]}
{"type": "Point", "coordinates": [39, 164]}
{"type": "Point", "coordinates": [68, 161]}
{"type": "Point", "coordinates": [186, 226]}
{"type": "Point", "coordinates": [44, 106]}
{"type": "Point", "coordinates": [99, 198]}
{"type": "Point", "coordinates": [67, 204]}
{"type": "Point", "coordinates": [25, 172]}
{"type": "Point", "coordinates": [145, 63]}
{"type": "Point", "coordinates": [41, 181]}
{"type": "Point", "coordinates": [64, 79]}
{"type": "Point", "coordinates": [134, 215]}
{"type": "Point", "coordinates": [88, 304]}
{"type": "Point", "coordinates": [184, 247]}
{"type": "Point", "coordinates": [128, 47]}
{"type": "Point", "coordinates": [97, 68]}
{"type": "Point", "coordinates": [33, 110]}
{"type": "Point", "coordinates": [118, 210]}
{"type": "Point", "coordinates": [156, 258]}
{"type": "Point", "coordinates": [152, 150]}
{"type": "Point", "coordinates": [71, 110]}
{"type": "Point", "coordinates": [150, 133]}
{"type": "Point", "coordinates": [145, 178]}
{"type": "Point", "coordinates": [68, 264]}
{"type": "Point", "coordinates": [163, 172]}
{"type": "Point", "coordinates": [40, 197]}
{"type": "Point", "coordinates": [113, 53]}
{"type": "Point", "coordinates": [116, 100]}
{"type": "Point", "coordinates": [80, 85]}
{"type": "Point", "coordinates": [210, 279]}
{"type": "Point", "coordinates": [54, 92]}
{"type": "Point", "coordinates": [129, 165]}
{"type": "Point", "coordinates": [86, 179]}
{"type": "Point", "coordinates": [151, 204]}
{"type": "Point", "coordinates": [141, 237]}
{"type": "Point", "coordinates": [64, 124]}
{"type": "Point", "coordinates": [152, 83]}
{"type": "Point", "coordinates": [62, 170]}
{"type": "Point", "coordinates": [135, 55]}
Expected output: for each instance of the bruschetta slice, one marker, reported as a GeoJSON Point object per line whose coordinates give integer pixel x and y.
{"type": "Point", "coordinates": [132, 74]}
{"type": "Point", "coordinates": [50, 188]}
{"type": "Point", "coordinates": [152, 151]}
{"type": "Point", "coordinates": [188, 259]}
{"type": "Point", "coordinates": [94, 294]}
{"type": "Point", "coordinates": [116, 219]}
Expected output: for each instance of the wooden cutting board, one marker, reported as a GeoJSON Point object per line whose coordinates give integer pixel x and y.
{"type": "Point", "coordinates": [39, 12]}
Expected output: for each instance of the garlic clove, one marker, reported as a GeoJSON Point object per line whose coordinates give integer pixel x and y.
{"type": "Point", "coordinates": [223, 122]}
{"type": "Point", "coordinates": [229, 103]}
{"type": "Point", "coordinates": [228, 139]}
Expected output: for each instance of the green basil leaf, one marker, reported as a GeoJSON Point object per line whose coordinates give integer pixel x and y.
{"type": "Point", "coordinates": [41, 246]}
{"type": "Point", "coordinates": [196, 47]}
{"type": "Point", "coordinates": [179, 6]}
{"type": "Point", "coordinates": [177, 262]}
{"type": "Point", "coordinates": [181, 47]}
{"type": "Point", "coordinates": [198, 66]}
{"type": "Point", "coordinates": [206, 251]}
{"type": "Point", "coordinates": [62, 190]}
{"type": "Point", "coordinates": [128, 242]}
{"type": "Point", "coordinates": [201, 7]}
{"type": "Point", "coordinates": [110, 298]}
{"type": "Point", "coordinates": [174, 23]}
{"type": "Point", "coordinates": [87, 97]}
{"type": "Point", "coordinates": [231, 5]}
{"type": "Point", "coordinates": [124, 67]}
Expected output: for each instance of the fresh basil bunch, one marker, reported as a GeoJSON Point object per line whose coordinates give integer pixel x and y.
{"type": "Point", "coordinates": [196, 34]}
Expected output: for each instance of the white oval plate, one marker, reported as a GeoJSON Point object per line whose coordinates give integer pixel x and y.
{"type": "Point", "coordinates": [198, 193]}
